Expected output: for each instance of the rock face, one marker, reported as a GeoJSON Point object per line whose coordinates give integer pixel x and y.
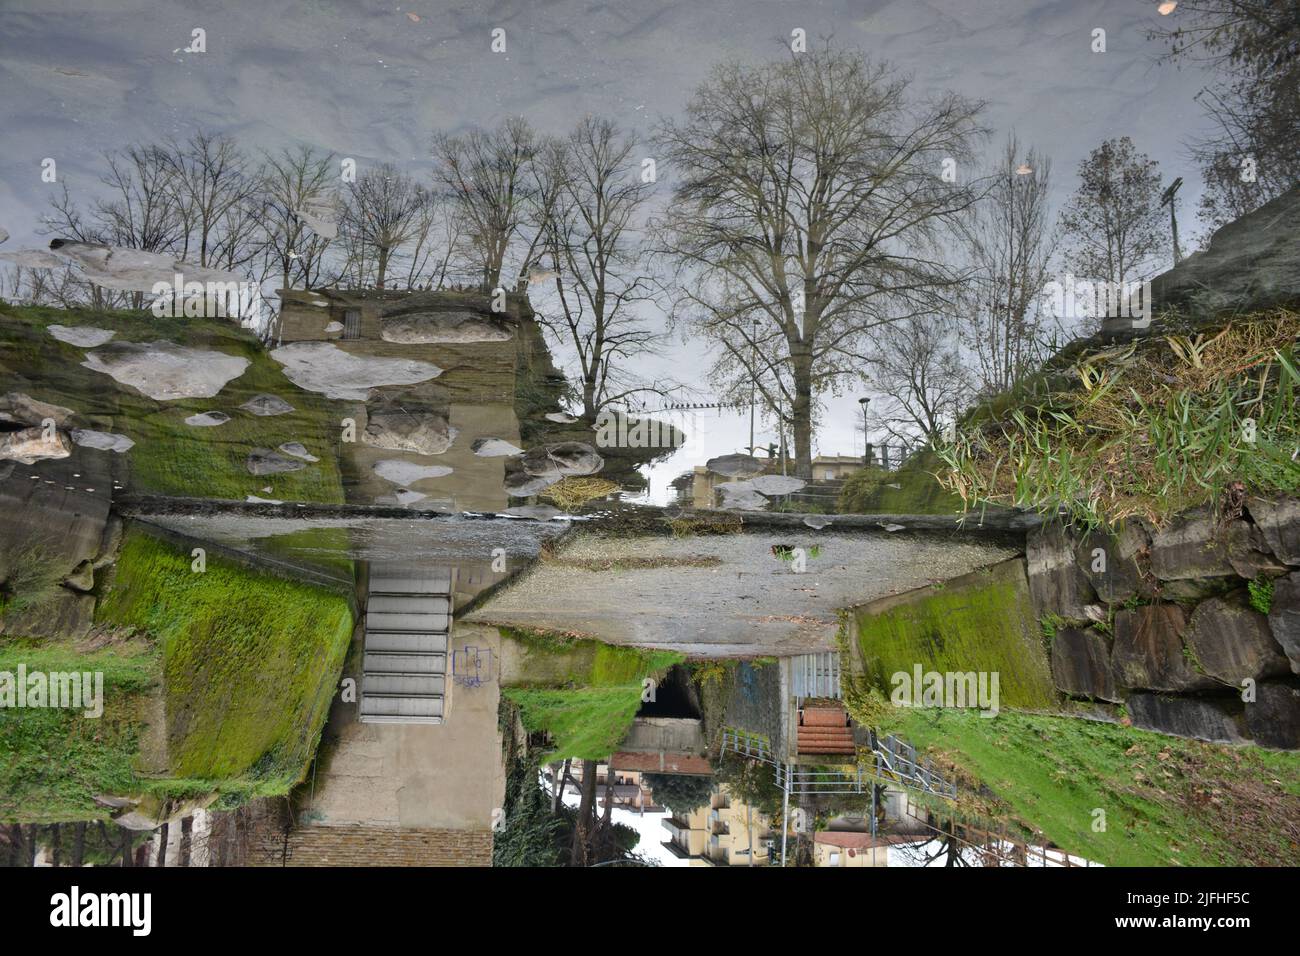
{"type": "Point", "coordinates": [561, 460]}
{"type": "Point", "coordinates": [83, 336]}
{"type": "Point", "coordinates": [735, 466]}
{"type": "Point", "coordinates": [1251, 263]}
{"type": "Point", "coordinates": [1284, 617]}
{"type": "Point", "coordinates": [1248, 551]}
{"type": "Point", "coordinates": [104, 441]}
{"type": "Point", "coordinates": [1148, 651]}
{"type": "Point", "coordinates": [422, 328]}
{"type": "Point", "coordinates": [1056, 582]}
{"type": "Point", "coordinates": [1081, 664]}
{"type": "Point", "coordinates": [1110, 562]}
{"type": "Point", "coordinates": [82, 577]}
{"type": "Point", "coordinates": [298, 450]}
{"type": "Point", "coordinates": [1232, 642]}
{"type": "Point", "coordinates": [776, 484]}
{"type": "Point", "coordinates": [165, 371]}
{"type": "Point", "coordinates": [494, 448]}
{"type": "Point", "coordinates": [66, 614]}
{"type": "Point", "coordinates": [30, 445]}
{"type": "Point", "coordinates": [263, 461]}
{"type": "Point", "coordinates": [408, 427]}
{"type": "Point", "coordinates": [1205, 719]}
{"type": "Point", "coordinates": [1188, 547]}
{"type": "Point", "coordinates": [266, 405]}
{"type": "Point", "coordinates": [741, 496]}
{"type": "Point", "coordinates": [207, 419]}
{"type": "Point", "coordinates": [408, 472]}
{"type": "Point", "coordinates": [328, 369]}
{"type": "Point", "coordinates": [22, 409]}
{"type": "Point", "coordinates": [1273, 718]}
{"type": "Point", "coordinates": [1279, 523]}
{"type": "Point", "coordinates": [520, 484]}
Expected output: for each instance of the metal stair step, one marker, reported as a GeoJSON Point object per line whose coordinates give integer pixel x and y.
{"type": "Point", "coordinates": [385, 621]}
{"type": "Point", "coordinates": [406, 642]}
{"type": "Point", "coordinates": [408, 604]}
{"type": "Point", "coordinates": [396, 662]}
{"type": "Point", "coordinates": [404, 685]}
{"type": "Point", "coordinates": [378, 705]}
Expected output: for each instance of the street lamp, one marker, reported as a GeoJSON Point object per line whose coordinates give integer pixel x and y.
{"type": "Point", "coordinates": [866, 445]}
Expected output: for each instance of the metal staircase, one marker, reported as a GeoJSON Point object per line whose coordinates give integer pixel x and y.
{"type": "Point", "coordinates": [408, 623]}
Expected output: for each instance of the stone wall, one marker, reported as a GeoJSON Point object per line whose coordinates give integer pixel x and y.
{"type": "Point", "coordinates": [1163, 620]}
{"type": "Point", "coordinates": [372, 846]}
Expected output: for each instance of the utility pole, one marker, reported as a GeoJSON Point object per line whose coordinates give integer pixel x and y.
{"type": "Point", "coordinates": [1167, 199]}
{"type": "Point", "coordinates": [753, 380]}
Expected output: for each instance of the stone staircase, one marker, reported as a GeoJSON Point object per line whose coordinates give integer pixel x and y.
{"type": "Point", "coordinates": [408, 623]}
{"type": "Point", "coordinates": [825, 729]}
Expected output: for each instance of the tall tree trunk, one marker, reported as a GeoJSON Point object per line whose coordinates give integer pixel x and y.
{"type": "Point", "coordinates": [586, 815]}
{"type": "Point", "coordinates": [162, 845]}
{"type": "Point", "coordinates": [30, 848]}
{"type": "Point", "coordinates": [183, 851]}
{"type": "Point", "coordinates": [126, 847]}
{"type": "Point", "coordinates": [78, 844]}
{"type": "Point", "coordinates": [56, 845]}
{"type": "Point", "coordinates": [801, 412]}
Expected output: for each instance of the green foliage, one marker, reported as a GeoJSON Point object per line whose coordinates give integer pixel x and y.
{"type": "Point", "coordinates": [750, 781]}
{"type": "Point", "coordinates": [1261, 594]}
{"type": "Point", "coordinates": [680, 792]}
{"type": "Point", "coordinates": [912, 489]}
{"type": "Point", "coordinates": [35, 578]}
{"type": "Point", "coordinates": [1150, 429]}
{"type": "Point", "coordinates": [169, 456]}
{"type": "Point", "coordinates": [54, 761]}
{"type": "Point", "coordinates": [981, 622]}
{"type": "Point", "coordinates": [1054, 772]}
{"type": "Point", "coordinates": [529, 833]}
{"type": "Point", "coordinates": [250, 661]}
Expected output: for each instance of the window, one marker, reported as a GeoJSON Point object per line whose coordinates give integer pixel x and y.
{"type": "Point", "coordinates": [352, 324]}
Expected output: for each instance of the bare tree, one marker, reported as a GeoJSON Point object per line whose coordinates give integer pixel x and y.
{"type": "Point", "coordinates": [1113, 228]}
{"type": "Point", "coordinates": [215, 190]}
{"type": "Point", "coordinates": [1010, 244]}
{"type": "Point", "coordinates": [485, 176]}
{"type": "Point", "coordinates": [590, 197]}
{"type": "Point", "coordinates": [810, 197]}
{"type": "Point", "coordinates": [293, 182]}
{"type": "Point", "coordinates": [918, 367]}
{"type": "Point", "coordinates": [383, 211]}
{"type": "Point", "coordinates": [1254, 48]}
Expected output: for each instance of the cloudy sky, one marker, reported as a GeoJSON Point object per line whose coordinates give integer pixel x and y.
{"type": "Point", "coordinates": [375, 80]}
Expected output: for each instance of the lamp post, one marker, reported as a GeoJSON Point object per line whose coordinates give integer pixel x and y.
{"type": "Point", "coordinates": [866, 446]}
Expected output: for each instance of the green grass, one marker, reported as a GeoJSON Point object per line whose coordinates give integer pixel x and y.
{"type": "Point", "coordinates": [982, 621]}
{"type": "Point", "coordinates": [250, 661]}
{"type": "Point", "coordinates": [1151, 429]}
{"type": "Point", "coordinates": [1167, 800]}
{"type": "Point", "coordinates": [870, 490]}
{"type": "Point", "coordinates": [583, 693]}
{"type": "Point", "coordinates": [54, 761]}
{"type": "Point", "coordinates": [1261, 595]}
{"type": "Point", "coordinates": [169, 456]}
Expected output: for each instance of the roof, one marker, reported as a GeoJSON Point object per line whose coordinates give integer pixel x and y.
{"type": "Point", "coordinates": [661, 763]}
{"type": "Point", "coordinates": [853, 840]}
{"type": "Point", "coordinates": [837, 460]}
